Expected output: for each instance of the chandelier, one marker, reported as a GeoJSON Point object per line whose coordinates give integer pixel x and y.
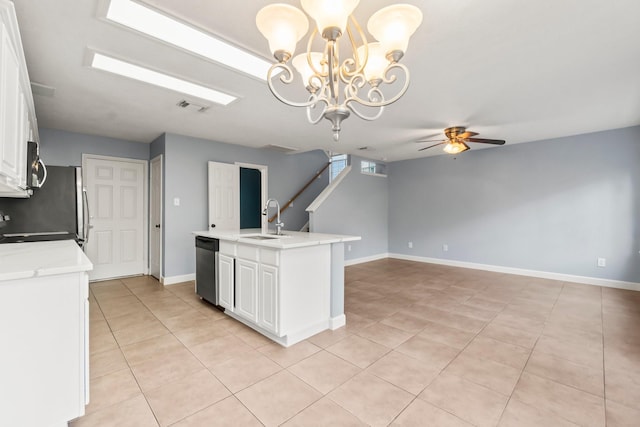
{"type": "Point", "coordinates": [363, 72]}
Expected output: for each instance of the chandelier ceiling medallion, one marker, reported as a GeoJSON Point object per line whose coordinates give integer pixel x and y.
{"type": "Point", "coordinates": [369, 65]}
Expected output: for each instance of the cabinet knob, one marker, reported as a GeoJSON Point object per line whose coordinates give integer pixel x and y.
{"type": "Point", "coordinates": [213, 226]}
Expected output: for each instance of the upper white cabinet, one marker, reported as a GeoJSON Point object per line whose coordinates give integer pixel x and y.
{"type": "Point", "coordinates": [17, 114]}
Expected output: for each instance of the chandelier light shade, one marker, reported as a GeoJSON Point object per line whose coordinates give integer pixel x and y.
{"type": "Point", "coordinates": [376, 63]}
{"type": "Point", "coordinates": [331, 14]}
{"type": "Point", "coordinates": [337, 87]}
{"type": "Point", "coordinates": [283, 26]}
{"type": "Point", "coordinates": [301, 64]}
{"type": "Point", "coordinates": [393, 25]}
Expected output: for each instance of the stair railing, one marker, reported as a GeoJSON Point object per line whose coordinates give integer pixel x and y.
{"type": "Point", "coordinates": [290, 202]}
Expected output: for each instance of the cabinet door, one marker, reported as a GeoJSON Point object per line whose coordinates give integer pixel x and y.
{"type": "Point", "coordinates": [10, 119]}
{"type": "Point", "coordinates": [268, 298]}
{"type": "Point", "coordinates": [43, 358]}
{"type": "Point", "coordinates": [247, 289]}
{"type": "Point", "coordinates": [225, 281]}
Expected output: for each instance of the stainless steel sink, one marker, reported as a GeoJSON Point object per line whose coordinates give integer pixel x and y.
{"type": "Point", "coordinates": [266, 236]}
{"type": "Point", "coordinates": [262, 237]}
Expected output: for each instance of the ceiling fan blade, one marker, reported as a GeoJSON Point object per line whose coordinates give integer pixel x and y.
{"type": "Point", "coordinates": [486, 141]}
{"type": "Point", "coordinates": [433, 135]}
{"type": "Point", "coordinates": [418, 141]}
{"type": "Point", "coordinates": [467, 134]}
{"type": "Point", "coordinates": [434, 145]}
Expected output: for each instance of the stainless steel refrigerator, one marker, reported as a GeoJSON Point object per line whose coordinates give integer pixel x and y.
{"type": "Point", "coordinates": [56, 211]}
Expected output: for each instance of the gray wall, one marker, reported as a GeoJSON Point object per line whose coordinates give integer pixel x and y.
{"type": "Point", "coordinates": [358, 206]}
{"type": "Point", "coordinates": [62, 148]}
{"type": "Point", "coordinates": [552, 206]}
{"type": "Point", "coordinates": [186, 178]}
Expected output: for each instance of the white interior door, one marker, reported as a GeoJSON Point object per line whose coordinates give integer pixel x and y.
{"type": "Point", "coordinates": [116, 194]}
{"type": "Point", "coordinates": [155, 218]}
{"type": "Point", "coordinates": [224, 196]}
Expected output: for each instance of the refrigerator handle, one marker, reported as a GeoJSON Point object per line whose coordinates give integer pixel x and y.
{"type": "Point", "coordinates": [44, 173]}
{"type": "Point", "coordinates": [87, 224]}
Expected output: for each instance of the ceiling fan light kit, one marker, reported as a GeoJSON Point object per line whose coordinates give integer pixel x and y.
{"type": "Point", "coordinates": [455, 147]}
{"type": "Point", "coordinates": [369, 65]}
{"type": "Point", "coordinates": [457, 137]}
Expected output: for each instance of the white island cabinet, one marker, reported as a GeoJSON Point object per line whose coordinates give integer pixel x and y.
{"type": "Point", "coordinates": [287, 288]}
{"type": "Point", "coordinates": [44, 330]}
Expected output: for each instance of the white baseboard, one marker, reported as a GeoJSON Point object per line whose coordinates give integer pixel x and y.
{"type": "Point", "coordinates": [172, 280]}
{"type": "Point", "coordinates": [596, 281]}
{"type": "Point", "coordinates": [337, 322]}
{"type": "Point", "coordinates": [366, 259]}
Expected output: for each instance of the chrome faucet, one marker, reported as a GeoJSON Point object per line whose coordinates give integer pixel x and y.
{"type": "Point", "coordinates": [279, 224]}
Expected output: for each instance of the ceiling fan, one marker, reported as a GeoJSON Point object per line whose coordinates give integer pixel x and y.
{"type": "Point", "coordinates": [457, 137]}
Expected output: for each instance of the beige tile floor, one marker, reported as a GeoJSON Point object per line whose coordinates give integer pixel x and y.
{"type": "Point", "coordinates": [424, 345]}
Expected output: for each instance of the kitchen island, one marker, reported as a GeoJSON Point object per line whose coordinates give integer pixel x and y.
{"type": "Point", "coordinates": [286, 287]}
{"type": "Point", "coordinates": [44, 326]}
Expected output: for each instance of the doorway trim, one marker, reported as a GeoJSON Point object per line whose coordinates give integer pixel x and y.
{"type": "Point", "coordinates": [159, 158]}
{"type": "Point", "coordinates": [264, 188]}
{"type": "Point", "coordinates": [145, 198]}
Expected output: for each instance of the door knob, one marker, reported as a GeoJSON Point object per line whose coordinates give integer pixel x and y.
{"type": "Point", "coordinates": [213, 226]}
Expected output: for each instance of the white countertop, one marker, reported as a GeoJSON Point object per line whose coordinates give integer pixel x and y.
{"type": "Point", "coordinates": [289, 239]}
{"type": "Point", "coordinates": [35, 259]}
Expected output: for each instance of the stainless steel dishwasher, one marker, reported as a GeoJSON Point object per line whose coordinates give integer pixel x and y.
{"type": "Point", "coordinates": [207, 269]}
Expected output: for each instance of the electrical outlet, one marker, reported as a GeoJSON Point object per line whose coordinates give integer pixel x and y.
{"type": "Point", "coordinates": [410, 244]}
{"type": "Point", "coordinates": [445, 247]}
{"type": "Point", "coordinates": [602, 262]}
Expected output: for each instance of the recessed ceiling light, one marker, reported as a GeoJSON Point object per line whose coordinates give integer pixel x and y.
{"type": "Point", "coordinates": [167, 29]}
{"type": "Point", "coordinates": [117, 66]}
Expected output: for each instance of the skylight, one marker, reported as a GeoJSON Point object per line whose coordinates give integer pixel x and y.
{"type": "Point", "coordinates": [162, 27]}
{"type": "Point", "coordinates": [136, 72]}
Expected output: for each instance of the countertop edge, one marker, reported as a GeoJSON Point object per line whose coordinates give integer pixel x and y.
{"type": "Point", "coordinates": [298, 240]}
{"type": "Point", "coordinates": [25, 260]}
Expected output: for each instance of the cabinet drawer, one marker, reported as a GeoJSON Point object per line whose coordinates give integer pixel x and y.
{"type": "Point", "coordinates": [268, 256]}
{"type": "Point", "coordinates": [248, 252]}
{"type": "Point", "coordinates": [227, 248]}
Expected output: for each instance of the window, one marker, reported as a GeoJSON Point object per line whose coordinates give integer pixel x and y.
{"type": "Point", "coordinates": [338, 163]}
{"type": "Point", "coordinates": [369, 167]}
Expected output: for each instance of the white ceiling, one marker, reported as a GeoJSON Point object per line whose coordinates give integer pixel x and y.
{"type": "Point", "coordinates": [515, 70]}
